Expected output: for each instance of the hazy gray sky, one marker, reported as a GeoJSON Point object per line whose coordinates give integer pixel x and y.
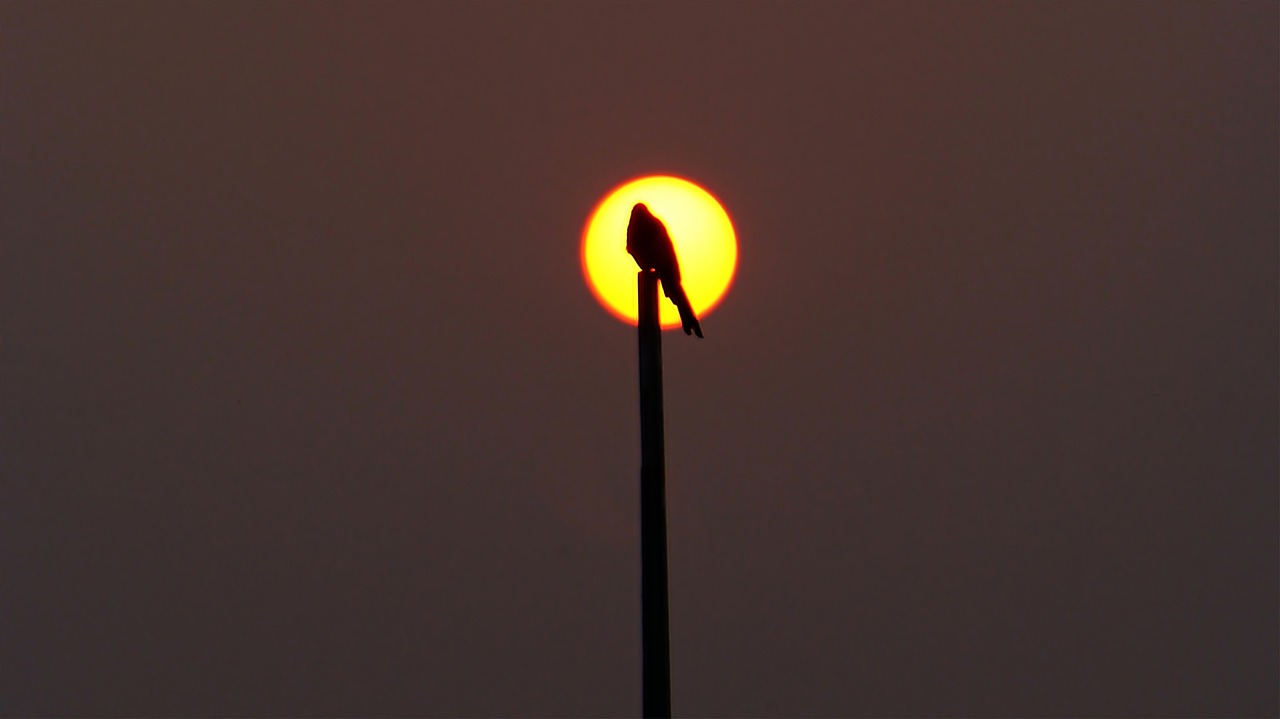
{"type": "Point", "coordinates": [305, 408]}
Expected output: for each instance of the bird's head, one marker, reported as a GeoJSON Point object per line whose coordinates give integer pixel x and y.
{"type": "Point", "coordinates": [641, 209]}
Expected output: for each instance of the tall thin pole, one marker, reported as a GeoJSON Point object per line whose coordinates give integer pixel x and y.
{"type": "Point", "coordinates": [655, 646]}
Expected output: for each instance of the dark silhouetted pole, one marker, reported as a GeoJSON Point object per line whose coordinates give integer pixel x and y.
{"type": "Point", "coordinates": [655, 647]}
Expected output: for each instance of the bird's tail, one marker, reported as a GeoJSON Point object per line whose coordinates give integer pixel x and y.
{"type": "Point", "coordinates": [687, 319]}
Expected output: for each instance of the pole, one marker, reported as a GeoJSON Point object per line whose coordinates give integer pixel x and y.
{"type": "Point", "coordinates": [655, 646]}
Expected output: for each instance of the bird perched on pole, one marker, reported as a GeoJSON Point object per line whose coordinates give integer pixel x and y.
{"type": "Point", "coordinates": [650, 245]}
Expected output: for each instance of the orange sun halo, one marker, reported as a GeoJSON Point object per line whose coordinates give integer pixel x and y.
{"type": "Point", "coordinates": [700, 229]}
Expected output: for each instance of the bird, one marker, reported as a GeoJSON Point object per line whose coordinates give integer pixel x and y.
{"type": "Point", "coordinates": [650, 245]}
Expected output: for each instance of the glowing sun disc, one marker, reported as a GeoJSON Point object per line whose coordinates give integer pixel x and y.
{"type": "Point", "coordinates": [700, 229]}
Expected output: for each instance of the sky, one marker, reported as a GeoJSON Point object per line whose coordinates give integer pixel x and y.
{"type": "Point", "coordinates": [306, 409]}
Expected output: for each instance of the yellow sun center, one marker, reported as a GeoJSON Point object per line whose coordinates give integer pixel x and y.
{"type": "Point", "coordinates": [700, 229]}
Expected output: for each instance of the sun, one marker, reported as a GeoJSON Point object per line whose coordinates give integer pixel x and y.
{"type": "Point", "coordinates": [700, 229]}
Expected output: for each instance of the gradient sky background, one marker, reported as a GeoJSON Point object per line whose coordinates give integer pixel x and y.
{"type": "Point", "coordinates": [306, 408]}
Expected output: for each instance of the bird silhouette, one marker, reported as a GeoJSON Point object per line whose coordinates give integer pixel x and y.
{"type": "Point", "coordinates": [650, 245]}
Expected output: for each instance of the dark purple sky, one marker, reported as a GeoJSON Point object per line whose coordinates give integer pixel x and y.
{"type": "Point", "coordinates": [306, 410]}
